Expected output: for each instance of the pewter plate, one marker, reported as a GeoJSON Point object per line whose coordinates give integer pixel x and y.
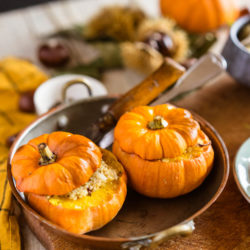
{"type": "Point", "coordinates": [140, 218]}
{"type": "Point", "coordinates": [241, 169]}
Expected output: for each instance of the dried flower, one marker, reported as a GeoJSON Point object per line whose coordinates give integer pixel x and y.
{"type": "Point", "coordinates": [140, 56]}
{"type": "Point", "coordinates": [114, 23]}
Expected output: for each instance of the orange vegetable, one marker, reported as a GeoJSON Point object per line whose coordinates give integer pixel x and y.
{"type": "Point", "coordinates": [200, 15]}
{"type": "Point", "coordinates": [89, 212]}
{"type": "Point", "coordinates": [54, 164]}
{"type": "Point", "coordinates": [70, 181]}
{"type": "Point", "coordinates": [163, 150]}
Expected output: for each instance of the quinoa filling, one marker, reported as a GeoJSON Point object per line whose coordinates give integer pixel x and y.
{"type": "Point", "coordinates": [103, 175]}
{"type": "Point", "coordinates": [190, 152]}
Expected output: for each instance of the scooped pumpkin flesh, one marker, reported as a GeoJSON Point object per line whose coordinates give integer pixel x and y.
{"type": "Point", "coordinates": [163, 149]}
{"type": "Point", "coordinates": [55, 164]}
{"type": "Point", "coordinates": [90, 206]}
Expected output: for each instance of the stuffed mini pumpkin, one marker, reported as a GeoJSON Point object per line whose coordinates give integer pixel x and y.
{"type": "Point", "coordinates": [163, 149]}
{"type": "Point", "coordinates": [70, 181]}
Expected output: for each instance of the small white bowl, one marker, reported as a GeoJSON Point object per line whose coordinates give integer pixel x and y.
{"type": "Point", "coordinates": [66, 88]}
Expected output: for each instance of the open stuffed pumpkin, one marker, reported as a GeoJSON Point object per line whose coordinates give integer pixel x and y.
{"type": "Point", "coordinates": [70, 181]}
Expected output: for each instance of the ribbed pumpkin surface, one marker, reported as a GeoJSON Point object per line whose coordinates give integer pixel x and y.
{"type": "Point", "coordinates": [87, 213]}
{"type": "Point", "coordinates": [134, 136]}
{"type": "Point", "coordinates": [77, 158]}
{"type": "Point", "coordinates": [200, 15]}
{"type": "Point", "coordinates": [163, 150]}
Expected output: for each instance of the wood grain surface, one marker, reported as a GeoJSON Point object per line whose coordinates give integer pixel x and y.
{"type": "Point", "coordinates": [151, 87]}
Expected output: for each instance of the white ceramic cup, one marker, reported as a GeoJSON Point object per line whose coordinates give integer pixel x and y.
{"type": "Point", "coordinates": [66, 88]}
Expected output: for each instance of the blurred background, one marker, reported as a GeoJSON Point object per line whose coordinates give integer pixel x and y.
{"type": "Point", "coordinates": [14, 4]}
{"type": "Point", "coordinates": [33, 23]}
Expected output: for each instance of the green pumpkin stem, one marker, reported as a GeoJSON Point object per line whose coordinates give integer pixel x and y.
{"type": "Point", "coordinates": [157, 123]}
{"type": "Point", "coordinates": [47, 157]}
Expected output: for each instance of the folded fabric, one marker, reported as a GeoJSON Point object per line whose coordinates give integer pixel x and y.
{"type": "Point", "coordinates": [16, 76]}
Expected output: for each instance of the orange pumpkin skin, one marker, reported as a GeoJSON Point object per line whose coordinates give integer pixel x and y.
{"type": "Point", "coordinates": [83, 220]}
{"type": "Point", "coordinates": [77, 159]}
{"type": "Point", "coordinates": [134, 136]}
{"type": "Point", "coordinates": [165, 179]}
{"type": "Point", "coordinates": [162, 173]}
{"type": "Point", "coordinates": [200, 15]}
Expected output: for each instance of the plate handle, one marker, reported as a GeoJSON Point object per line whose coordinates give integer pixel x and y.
{"type": "Point", "coordinates": [73, 82]}
{"type": "Point", "coordinates": [181, 230]}
{"type": "Point", "coordinates": [152, 242]}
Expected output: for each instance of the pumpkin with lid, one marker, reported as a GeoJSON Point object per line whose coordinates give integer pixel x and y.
{"type": "Point", "coordinates": [163, 149]}
{"type": "Point", "coordinates": [70, 181]}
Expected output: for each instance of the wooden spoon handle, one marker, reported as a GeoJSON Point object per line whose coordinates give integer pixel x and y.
{"type": "Point", "coordinates": [144, 93]}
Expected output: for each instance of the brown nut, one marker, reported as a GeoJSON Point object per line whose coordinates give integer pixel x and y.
{"type": "Point", "coordinates": [53, 54]}
{"type": "Point", "coordinates": [11, 139]}
{"type": "Point", "coordinates": [26, 102]}
{"type": "Point", "coordinates": [244, 11]}
{"type": "Point", "coordinates": [161, 42]}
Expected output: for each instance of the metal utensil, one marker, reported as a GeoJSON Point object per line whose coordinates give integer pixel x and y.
{"type": "Point", "coordinates": [142, 94]}
{"type": "Point", "coordinates": [205, 69]}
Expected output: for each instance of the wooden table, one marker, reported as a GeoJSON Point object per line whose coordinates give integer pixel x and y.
{"type": "Point", "coordinates": [223, 103]}
{"type": "Point", "coordinates": [226, 224]}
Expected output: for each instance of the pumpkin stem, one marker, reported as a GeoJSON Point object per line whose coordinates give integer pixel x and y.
{"type": "Point", "coordinates": [158, 123]}
{"type": "Point", "coordinates": [47, 157]}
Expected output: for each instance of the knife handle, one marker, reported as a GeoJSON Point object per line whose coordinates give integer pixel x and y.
{"type": "Point", "coordinates": [144, 93]}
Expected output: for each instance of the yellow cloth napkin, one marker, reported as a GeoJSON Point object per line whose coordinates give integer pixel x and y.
{"type": "Point", "coordinates": [16, 76]}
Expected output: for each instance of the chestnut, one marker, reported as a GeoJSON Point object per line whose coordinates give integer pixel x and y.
{"type": "Point", "coordinates": [53, 54]}
{"type": "Point", "coordinates": [244, 11]}
{"type": "Point", "coordinates": [26, 102]}
{"type": "Point", "coordinates": [11, 139]}
{"type": "Point", "coordinates": [161, 42]}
